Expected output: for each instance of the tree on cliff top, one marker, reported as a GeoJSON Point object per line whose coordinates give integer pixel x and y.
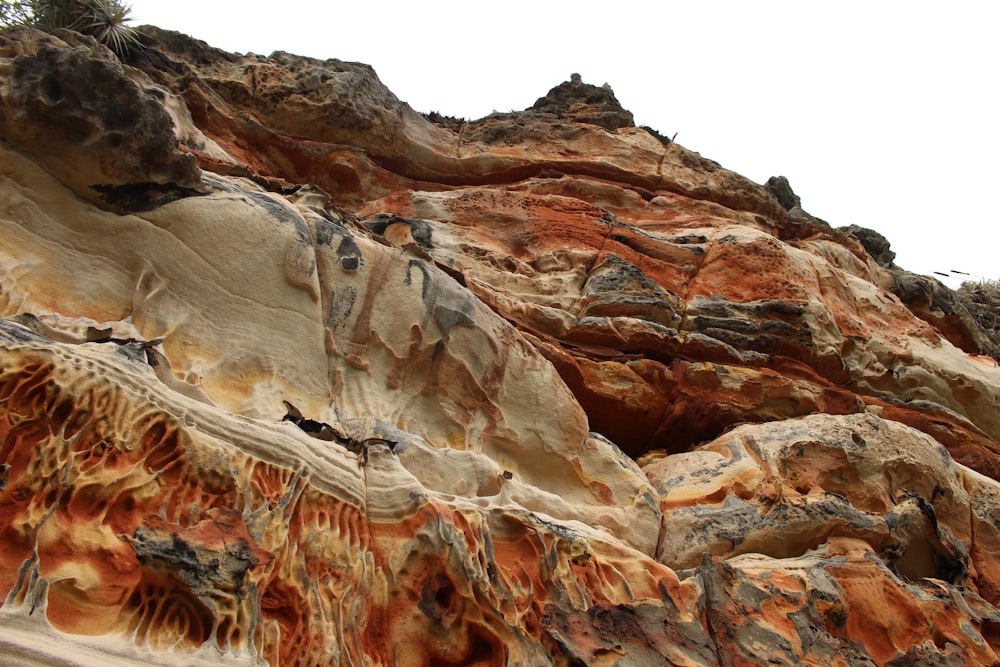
{"type": "Point", "coordinates": [105, 20]}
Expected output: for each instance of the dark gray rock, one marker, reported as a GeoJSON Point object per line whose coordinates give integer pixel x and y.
{"type": "Point", "coordinates": [782, 191]}
{"type": "Point", "coordinates": [581, 102]}
{"type": "Point", "coordinates": [873, 242]}
{"type": "Point", "coordinates": [69, 103]}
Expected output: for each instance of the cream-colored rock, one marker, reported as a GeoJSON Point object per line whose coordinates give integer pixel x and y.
{"type": "Point", "coordinates": [224, 325]}
{"type": "Point", "coordinates": [785, 488]}
{"type": "Point", "coordinates": [290, 319]}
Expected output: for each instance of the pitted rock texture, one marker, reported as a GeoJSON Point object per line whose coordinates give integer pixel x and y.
{"type": "Point", "coordinates": [59, 100]}
{"type": "Point", "coordinates": [366, 387]}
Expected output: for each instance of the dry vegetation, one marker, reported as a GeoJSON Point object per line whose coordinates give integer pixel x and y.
{"type": "Point", "coordinates": [982, 299]}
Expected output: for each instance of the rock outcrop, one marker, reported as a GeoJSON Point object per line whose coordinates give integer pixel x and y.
{"type": "Point", "coordinates": [291, 374]}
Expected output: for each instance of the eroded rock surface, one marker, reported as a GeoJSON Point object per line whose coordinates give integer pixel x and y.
{"type": "Point", "coordinates": [321, 380]}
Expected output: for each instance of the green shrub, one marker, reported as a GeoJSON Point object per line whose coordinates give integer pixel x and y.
{"type": "Point", "coordinates": [105, 20]}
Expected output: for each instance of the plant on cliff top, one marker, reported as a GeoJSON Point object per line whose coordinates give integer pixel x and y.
{"type": "Point", "coordinates": [982, 299]}
{"type": "Point", "coordinates": [105, 20]}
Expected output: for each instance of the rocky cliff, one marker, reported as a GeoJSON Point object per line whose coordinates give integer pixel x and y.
{"type": "Point", "coordinates": [291, 374]}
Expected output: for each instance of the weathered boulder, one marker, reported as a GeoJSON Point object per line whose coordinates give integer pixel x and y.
{"type": "Point", "coordinates": [107, 135]}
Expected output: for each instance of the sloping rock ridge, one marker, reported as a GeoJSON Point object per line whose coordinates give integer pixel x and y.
{"type": "Point", "coordinates": [291, 374]}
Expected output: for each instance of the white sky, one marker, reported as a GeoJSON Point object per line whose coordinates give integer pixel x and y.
{"type": "Point", "coordinates": [881, 113]}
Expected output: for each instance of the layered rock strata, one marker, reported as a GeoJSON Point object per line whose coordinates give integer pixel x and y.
{"type": "Point", "coordinates": [291, 374]}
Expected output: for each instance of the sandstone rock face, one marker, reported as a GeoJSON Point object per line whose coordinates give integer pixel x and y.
{"type": "Point", "coordinates": [58, 99]}
{"type": "Point", "coordinates": [291, 374]}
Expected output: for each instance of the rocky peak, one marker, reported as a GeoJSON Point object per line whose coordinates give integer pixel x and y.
{"type": "Point", "coordinates": [876, 244]}
{"type": "Point", "coordinates": [782, 190]}
{"type": "Point", "coordinates": [581, 102]}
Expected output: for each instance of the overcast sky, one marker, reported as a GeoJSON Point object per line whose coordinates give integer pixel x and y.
{"type": "Point", "coordinates": [880, 113]}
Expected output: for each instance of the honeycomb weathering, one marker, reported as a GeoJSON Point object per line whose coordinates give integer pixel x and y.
{"type": "Point", "coordinates": [372, 388]}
